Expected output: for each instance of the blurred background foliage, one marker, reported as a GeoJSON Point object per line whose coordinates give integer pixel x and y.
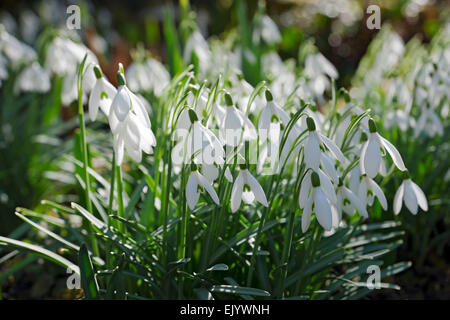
{"type": "Point", "coordinates": [113, 28]}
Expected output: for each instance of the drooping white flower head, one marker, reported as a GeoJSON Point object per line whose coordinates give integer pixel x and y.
{"type": "Point", "coordinates": [202, 145]}
{"type": "Point", "coordinates": [101, 96]}
{"type": "Point", "coordinates": [16, 51]}
{"type": "Point", "coordinates": [313, 144]}
{"type": "Point", "coordinates": [412, 195]}
{"type": "Point", "coordinates": [62, 58]}
{"type": "Point", "coordinates": [211, 172]}
{"type": "Point", "coordinates": [236, 125]}
{"type": "Point", "coordinates": [318, 69]}
{"type": "Point", "coordinates": [195, 180]}
{"type": "Point", "coordinates": [33, 78]}
{"type": "Point", "coordinates": [129, 124]}
{"type": "Point", "coordinates": [368, 190]}
{"type": "Point", "coordinates": [316, 201]}
{"type": "Point", "coordinates": [271, 119]}
{"type": "Point", "coordinates": [150, 75]}
{"type": "Point", "coordinates": [429, 123]}
{"type": "Point", "coordinates": [371, 153]}
{"type": "Point", "coordinates": [398, 118]}
{"type": "Point", "coordinates": [196, 44]}
{"type": "Point", "coordinates": [246, 188]}
{"type": "Point", "coordinates": [267, 30]}
{"type": "Point", "coordinates": [348, 202]}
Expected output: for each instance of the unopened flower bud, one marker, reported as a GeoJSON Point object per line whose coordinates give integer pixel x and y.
{"type": "Point", "coordinates": [269, 96]}
{"type": "Point", "coordinates": [228, 99]}
{"type": "Point", "coordinates": [372, 126]}
{"type": "Point", "coordinates": [192, 115]}
{"type": "Point", "coordinates": [98, 72]}
{"type": "Point", "coordinates": [310, 123]}
{"type": "Point", "coordinates": [315, 180]}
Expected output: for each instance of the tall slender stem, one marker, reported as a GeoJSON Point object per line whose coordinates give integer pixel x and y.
{"type": "Point", "coordinates": [286, 252]}
{"type": "Point", "coordinates": [258, 234]}
{"type": "Point", "coordinates": [87, 188]}
{"type": "Point", "coordinates": [120, 210]}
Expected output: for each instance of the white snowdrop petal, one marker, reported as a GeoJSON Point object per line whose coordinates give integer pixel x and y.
{"type": "Point", "coordinates": [248, 196]}
{"type": "Point", "coordinates": [256, 188]}
{"type": "Point", "coordinates": [121, 104]}
{"type": "Point", "coordinates": [336, 217]}
{"type": "Point", "coordinates": [107, 96]}
{"type": "Point", "coordinates": [322, 209]}
{"type": "Point", "coordinates": [327, 187]}
{"type": "Point", "coordinates": [328, 167]}
{"type": "Point", "coordinates": [421, 198]}
{"type": "Point", "coordinates": [208, 187]}
{"type": "Point", "coordinates": [236, 192]}
{"type": "Point", "coordinates": [306, 215]}
{"type": "Point", "coordinates": [304, 190]}
{"type": "Point", "coordinates": [333, 148]}
{"type": "Point", "coordinates": [228, 174]}
{"type": "Point", "coordinates": [410, 197]}
{"type": "Point", "coordinates": [94, 101]}
{"type": "Point", "coordinates": [395, 155]}
{"type": "Point", "coordinates": [312, 151]}
{"type": "Point", "coordinates": [378, 193]}
{"type": "Point", "coordinates": [264, 120]}
{"type": "Point", "coordinates": [119, 147]}
{"type": "Point", "coordinates": [372, 157]}
{"type": "Point", "coordinates": [135, 153]}
{"type": "Point", "coordinates": [398, 199]}
{"type": "Point", "coordinates": [356, 202]}
{"type": "Point", "coordinates": [362, 159]}
{"type": "Point", "coordinates": [192, 193]}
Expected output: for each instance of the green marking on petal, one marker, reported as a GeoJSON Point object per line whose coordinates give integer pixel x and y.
{"type": "Point", "coordinates": [103, 95]}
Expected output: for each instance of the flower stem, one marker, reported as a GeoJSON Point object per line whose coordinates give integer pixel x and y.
{"type": "Point", "coordinates": [120, 210]}
{"type": "Point", "coordinates": [286, 252]}
{"type": "Point", "coordinates": [258, 235]}
{"type": "Point", "coordinates": [87, 188]}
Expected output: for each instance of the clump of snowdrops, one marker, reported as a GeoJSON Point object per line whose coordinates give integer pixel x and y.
{"type": "Point", "coordinates": [204, 186]}
{"type": "Point", "coordinates": [410, 92]}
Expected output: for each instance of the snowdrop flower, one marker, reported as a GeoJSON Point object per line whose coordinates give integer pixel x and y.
{"type": "Point", "coordinates": [243, 90]}
{"type": "Point", "coordinates": [267, 30]}
{"type": "Point", "coordinates": [321, 203]}
{"type": "Point", "coordinates": [307, 187]}
{"type": "Point", "coordinates": [318, 69]}
{"type": "Point", "coordinates": [429, 122]}
{"type": "Point", "coordinates": [202, 144]}
{"type": "Point", "coordinates": [368, 190]}
{"type": "Point", "coordinates": [33, 78]}
{"type": "Point", "coordinates": [63, 57]}
{"type": "Point", "coordinates": [129, 124]}
{"type": "Point", "coordinates": [192, 192]}
{"type": "Point", "coordinates": [348, 201]}
{"type": "Point", "coordinates": [150, 75]}
{"type": "Point", "coordinates": [411, 194]}
{"type": "Point", "coordinates": [235, 125]}
{"type": "Point", "coordinates": [101, 95]}
{"type": "Point", "coordinates": [398, 93]}
{"type": "Point", "coordinates": [371, 153]}
{"type": "Point", "coordinates": [312, 144]}
{"type": "Point", "coordinates": [16, 51]}
{"type": "Point", "coordinates": [271, 119]}
{"type": "Point", "coordinates": [246, 188]}
{"type": "Point", "coordinates": [196, 44]}
{"type": "Point", "coordinates": [400, 118]}
{"type": "Point", "coordinates": [211, 172]}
